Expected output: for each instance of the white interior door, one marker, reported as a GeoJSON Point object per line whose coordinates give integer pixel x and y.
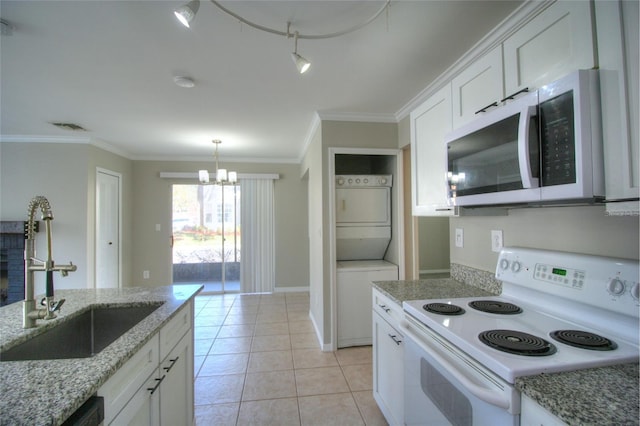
{"type": "Point", "coordinates": [107, 229]}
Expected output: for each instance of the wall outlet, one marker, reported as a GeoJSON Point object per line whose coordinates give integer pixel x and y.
{"type": "Point", "coordinates": [459, 237]}
{"type": "Point", "coordinates": [158, 227]}
{"type": "Point", "coordinates": [145, 275]}
{"type": "Point", "coordinates": [496, 240]}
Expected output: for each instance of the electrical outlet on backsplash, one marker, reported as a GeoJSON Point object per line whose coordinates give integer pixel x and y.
{"type": "Point", "coordinates": [476, 277]}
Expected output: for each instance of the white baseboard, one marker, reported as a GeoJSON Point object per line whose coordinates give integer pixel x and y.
{"type": "Point", "coordinates": [323, 347]}
{"type": "Point", "coordinates": [290, 289]}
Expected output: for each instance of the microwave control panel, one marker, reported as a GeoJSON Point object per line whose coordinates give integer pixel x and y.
{"type": "Point", "coordinates": [558, 140]}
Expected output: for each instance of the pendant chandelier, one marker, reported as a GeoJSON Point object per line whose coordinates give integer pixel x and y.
{"type": "Point", "coordinates": [223, 177]}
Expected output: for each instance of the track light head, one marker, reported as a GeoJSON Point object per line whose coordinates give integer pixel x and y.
{"type": "Point", "coordinates": [187, 12]}
{"type": "Point", "coordinates": [301, 63]}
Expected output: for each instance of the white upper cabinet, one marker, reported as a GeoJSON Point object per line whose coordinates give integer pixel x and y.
{"type": "Point", "coordinates": [478, 87]}
{"type": "Point", "coordinates": [429, 123]}
{"type": "Point", "coordinates": [617, 31]}
{"type": "Point", "coordinates": [554, 43]}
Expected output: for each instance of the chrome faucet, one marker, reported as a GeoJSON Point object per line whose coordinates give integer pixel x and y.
{"type": "Point", "coordinates": [32, 264]}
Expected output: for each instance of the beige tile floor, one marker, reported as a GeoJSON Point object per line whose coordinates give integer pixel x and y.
{"type": "Point", "coordinates": [258, 362]}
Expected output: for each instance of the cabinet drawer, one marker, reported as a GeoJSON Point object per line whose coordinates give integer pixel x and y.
{"type": "Point", "coordinates": [123, 385]}
{"type": "Point", "coordinates": [173, 331]}
{"type": "Point", "coordinates": [388, 309]}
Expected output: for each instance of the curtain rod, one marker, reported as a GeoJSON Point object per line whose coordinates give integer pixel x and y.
{"type": "Point", "coordinates": [194, 175]}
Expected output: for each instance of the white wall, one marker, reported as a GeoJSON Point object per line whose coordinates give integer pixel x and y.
{"type": "Point", "coordinates": [58, 172]}
{"type": "Point", "coordinates": [311, 169]}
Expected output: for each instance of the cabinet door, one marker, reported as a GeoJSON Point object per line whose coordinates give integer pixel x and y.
{"type": "Point", "coordinates": [176, 397]}
{"type": "Point", "coordinates": [143, 407]}
{"type": "Point", "coordinates": [429, 124]}
{"type": "Point", "coordinates": [477, 87]}
{"type": "Point", "coordinates": [556, 42]}
{"type": "Point", "coordinates": [388, 370]}
{"type": "Point", "coordinates": [617, 26]}
{"type": "Point", "coordinates": [132, 376]}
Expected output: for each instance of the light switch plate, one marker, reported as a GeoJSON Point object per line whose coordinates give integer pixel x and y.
{"type": "Point", "coordinates": [459, 237]}
{"type": "Point", "coordinates": [496, 240]}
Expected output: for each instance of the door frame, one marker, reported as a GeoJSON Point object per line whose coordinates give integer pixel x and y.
{"type": "Point", "coordinates": [102, 171]}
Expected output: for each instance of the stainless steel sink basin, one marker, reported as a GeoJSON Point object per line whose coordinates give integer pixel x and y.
{"type": "Point", "coordinates": [82, 336]}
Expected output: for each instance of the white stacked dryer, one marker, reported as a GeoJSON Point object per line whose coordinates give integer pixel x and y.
{"type": "Point", "coordinates": [363, 234]}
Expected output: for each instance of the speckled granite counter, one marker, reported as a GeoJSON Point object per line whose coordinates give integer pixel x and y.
{"type": "Point", "coordinates": [597, 396]}
{"type": "Point", "coordinates": [399, 291]}
{"type": "Point", "coordinates": [47, 392]}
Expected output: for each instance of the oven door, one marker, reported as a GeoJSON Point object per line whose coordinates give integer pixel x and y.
{"type": "Point", "coordinates": [443, 386]}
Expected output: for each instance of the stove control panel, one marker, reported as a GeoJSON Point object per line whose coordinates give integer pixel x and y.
{"type": "Point", "coordinates": [561, 276]}
{"type": "Point", "coordinates": [605, 282]}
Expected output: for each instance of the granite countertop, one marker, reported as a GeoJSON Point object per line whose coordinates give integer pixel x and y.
{"type": "Point", "coordinates": [602, 396]}
{"type": "Point", "coordinates": [441, 288]}
{"type": "Point", "coordinates": [48, 392]}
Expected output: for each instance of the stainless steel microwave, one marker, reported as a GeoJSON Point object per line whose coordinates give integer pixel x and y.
{"type": "Point", "coordinates": [545, 146]}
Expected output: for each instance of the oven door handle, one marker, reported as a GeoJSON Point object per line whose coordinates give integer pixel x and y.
{"type": "Point", "coordinates": [487, 395]}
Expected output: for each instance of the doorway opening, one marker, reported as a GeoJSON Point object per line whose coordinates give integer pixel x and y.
{"type": "Point", "coordinates": [206, 236]}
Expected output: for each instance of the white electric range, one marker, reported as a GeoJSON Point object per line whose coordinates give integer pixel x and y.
{"type": "Point", "coordinates": [557, 312]}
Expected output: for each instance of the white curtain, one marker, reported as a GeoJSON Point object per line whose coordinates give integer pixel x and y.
{"type": "Point", "coordinates": [257, 266]}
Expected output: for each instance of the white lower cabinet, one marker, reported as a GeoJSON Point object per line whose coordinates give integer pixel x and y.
{"type": "Point", "coordinates": [155, 386]}
{"type": "Point", "coordinates": [532, 414]}
{"type": "Point", "coordinates": [388, 360]}
{"type": "Point", "coordinates": [176, 391]}
{"type": "Point", "coordinates": [143, 407]}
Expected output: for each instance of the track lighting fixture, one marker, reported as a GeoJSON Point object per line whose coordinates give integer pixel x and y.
{"type": "Point", "coordinates": [301, 63]}
{"type": "Point", "coordinates": [222, 175]}
{"type": "Point", "coordinates": [187, 12]}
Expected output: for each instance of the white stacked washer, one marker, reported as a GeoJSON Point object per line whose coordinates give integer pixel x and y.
{"type": "Point", "coordinates": [363, 233]}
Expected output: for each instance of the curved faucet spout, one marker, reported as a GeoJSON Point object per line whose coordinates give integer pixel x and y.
{"type": "Point", "coordinates": [32, 264]}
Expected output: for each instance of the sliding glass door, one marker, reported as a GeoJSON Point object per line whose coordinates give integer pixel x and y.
{"type": "Point", "coordinates": [206, 236]}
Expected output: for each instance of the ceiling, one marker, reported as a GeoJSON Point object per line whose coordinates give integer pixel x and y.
{"type": "Point", "coordinates": [108, 66]}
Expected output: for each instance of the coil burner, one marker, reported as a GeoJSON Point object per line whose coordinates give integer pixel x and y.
{"type": "Point", "coordinates": [495, 307]}
{"type": "Point", "coordinates": [517, 342]}
{"type": "Point", "coordinates": [583, 340]}
{"type": "Point", "coordinates": [443, 309]}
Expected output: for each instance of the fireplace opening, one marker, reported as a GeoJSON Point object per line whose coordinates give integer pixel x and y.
{"type": "Point", "coordinates": [11, 262]}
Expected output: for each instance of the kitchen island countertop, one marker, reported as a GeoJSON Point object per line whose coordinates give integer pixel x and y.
{"type": "Point", "coordinates": [48, 392]}
{"type": "Point", "coordinates": [602, 396]}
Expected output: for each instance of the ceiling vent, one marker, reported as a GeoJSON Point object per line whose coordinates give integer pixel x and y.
{"type": "Point", "coordinates": [70, 126]}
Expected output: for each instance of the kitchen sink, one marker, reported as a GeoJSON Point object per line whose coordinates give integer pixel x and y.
{"type": "Point", "coordinates": [82, 336]}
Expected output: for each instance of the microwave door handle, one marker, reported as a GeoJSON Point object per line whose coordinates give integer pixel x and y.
{"type": "Point", "coordinates": [492, 397]}
{"type": "Point", "coordinates": [528, 181]}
